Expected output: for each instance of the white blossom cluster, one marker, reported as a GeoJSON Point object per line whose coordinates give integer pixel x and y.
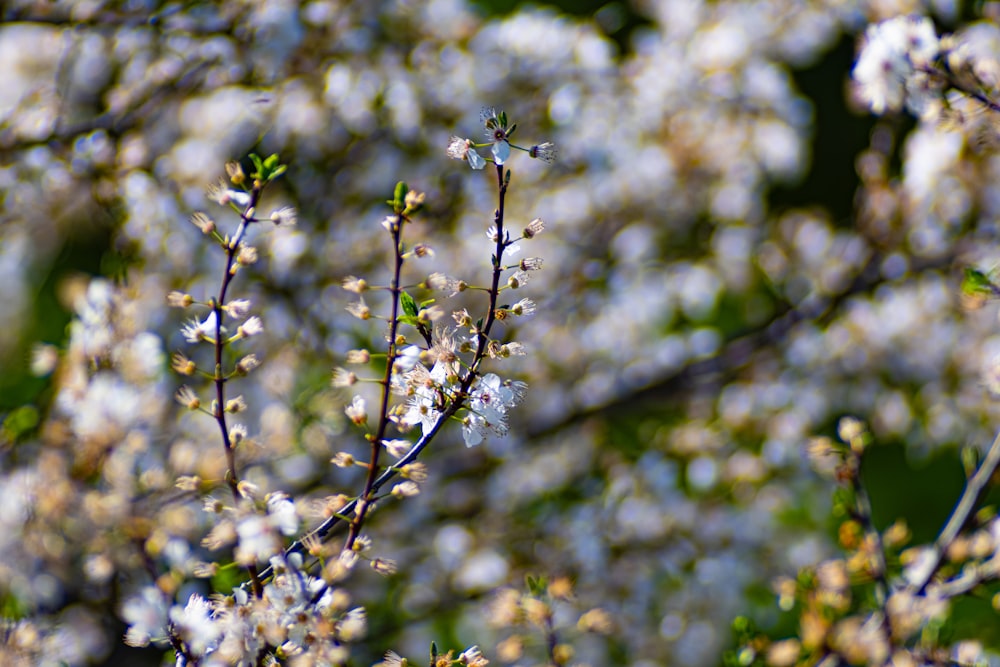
{"type": "Point", "coordinates": [490, 399]}
{"type": "Point", "coordinates": [297, 612]}
{"type": "Point", "coordinates": [895, 62]}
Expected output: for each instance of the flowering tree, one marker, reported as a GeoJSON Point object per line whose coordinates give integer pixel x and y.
{"type": "Point", "coordinates": [192, 478]}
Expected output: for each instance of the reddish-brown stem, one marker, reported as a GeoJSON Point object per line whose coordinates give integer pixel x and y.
{"type": "Point", "coordinates": [365, 500]}
{"type": "Point", "coordinates": [501, 244]}
{"type": "Point", "coordinates": [232, 477]}
{"type": "Point", "coordinates": [375, 480]}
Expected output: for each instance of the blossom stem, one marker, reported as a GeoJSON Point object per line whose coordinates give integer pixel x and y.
{"type": "Point", "coordinates": [863, 513]}
{"type": "Point", "coordinates": [375, 480]}
{"type": "Point", "coordinates": [383, 420]}
{"type": "Point", "coordinates": [947, 76]}
{"type": "Point", "coordinates": [232, 476]}
{"type": "Point", "coordinates": [483, 333]}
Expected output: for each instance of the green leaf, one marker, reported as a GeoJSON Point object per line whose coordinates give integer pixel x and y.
{"type": "Point", "coordinates": [977, 283]}
{"type": "Point", "coordinates": [399, 197]}
{"type": "Point", "coordinates": [970, 461]}
{"type": "Point", "coordinates": [20, 421]}
{"type": "Point", "coordinates": [843, 501]}
{"type": "Point", "coordinates": [408, 304]}
{"type": "Point", "coordinates": [426, 303]}
{"type": "Point", "coordinates": [412, 320]}
{"type": "Point", "coordinates": [258, 165]}
{"type": "Point", "coordinates": [536, 585]}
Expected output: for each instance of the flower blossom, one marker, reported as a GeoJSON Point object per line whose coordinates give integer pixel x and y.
{"type": "Point", "coordinates": [195, 625]}
{"type": "Point", "coordinates": [464, 149]}
{"type": "Point", "coordinates": [196, 331]}
{"type": "Point", "coordinates": [489, 402]}
{"type": "Point", "coordinates": [496, 132]}
{"type": "Point", "coordinates": [146, 614]}
{"type": "Point", "coordinates": [894, 53]}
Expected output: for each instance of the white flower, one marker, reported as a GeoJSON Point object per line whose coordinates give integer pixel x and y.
{"type": "Point", "coordinates": [353, 626]}
{"type": "Point", "coordinates": [356, 411]}
{"type": "Point", "coordinates": [464, 149]}
{"type": "Point", "coordinates": [545, 152]}
{"type": "Point", "coordinates": [237, 433]}
{"type": "Point", "coordinates": [892, 53]}
{"type": "Point", "coordinates": [281, 511]}
{"type": "Point", "coordinates": [474, 430]}
{"type": "Point", "coordinates": [473, 656]}
{"type": "Point", "coordinates": [251, 327]}
{"type": "Point", "coordinates": [223, 195]}
{"type": "Point", "coordinates": [397, 448]}
{"type": "Point", "coordinates": [146, 615]}
{"type": "Point", "coordinates": [286, 215]}
{"type": "Point", "coordinates": [489, 402]}
{"type": "Point", "coordinates": [534, 228]}
{"type": "Point", "coordinates": [195, 625]}
{"type": "Point", "coordinates": [523, 307]}
{"type": "Point", "coordinates": [405, 489]}
{"type": "Point", "coordinates": [423, 405]}
{"type": "Point", "coordinates": [238, 309]}
{"type": "Point", "coordinates": [496, 132]}
{"type": "Point", "coordinates": [407, 358]}
{"type": "Point", "coordinates": [257, 539]}
{"type": "Point", "coordinates": [196, 331]}
{"type": "Point", "coordinates": [393, 659]}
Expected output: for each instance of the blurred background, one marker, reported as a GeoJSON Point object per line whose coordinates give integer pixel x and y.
{"type": "Point", "coordinates": [736, 256]}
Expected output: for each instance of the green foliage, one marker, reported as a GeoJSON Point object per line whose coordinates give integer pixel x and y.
{"type": "Point", "coordinates": [398, 201]}
{"type": "Point", "coordinates": [266, 169]}
{"type": "Point", "coordinates": [410, 308]}
{"type": "Point", "coordinates": [19, 423]}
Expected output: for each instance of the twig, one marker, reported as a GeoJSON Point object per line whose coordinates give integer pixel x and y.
{"type": "Point", "coordinates": [232, 248]}
{"type": "Point", "coordinates": [864, 516]}
{"type": "Point", "coordinates": [374, 484]}
{"type": "Point", "coordinates": [365, 500]}
{"type": "Point", "coordinates": [975, 489]}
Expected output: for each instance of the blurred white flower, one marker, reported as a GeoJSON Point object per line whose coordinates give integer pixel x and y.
{"type": "Point", "coordinates": [892, 53]}
{"type": "Point", "coordinates": [146, 615]}
{"type": "Point", "coordinates": [195, 625]}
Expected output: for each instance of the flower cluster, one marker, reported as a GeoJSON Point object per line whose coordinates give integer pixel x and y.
{"type": "Point", "coordinates": [498, 135]}
{"type": "Point", "coordinates": [306, 619]}
{"type": "Point", "coordinates": [895, 62]}
{"type": "Point", "coordinates": [949, 79]}
{"type": "Point", "coordinates": [285, 610]}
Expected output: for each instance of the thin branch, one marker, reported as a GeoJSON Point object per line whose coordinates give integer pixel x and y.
{"type": "Point", "coordinates": [232, 248]}
{"type": "Point", "coordinates": [383, 421]}
{"type": "Point", "coordinates": [975, 489]}
{"type": "Point", "coordinates": [458, 401]}
{"type": "Point", "coordinates": [863, 507]}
